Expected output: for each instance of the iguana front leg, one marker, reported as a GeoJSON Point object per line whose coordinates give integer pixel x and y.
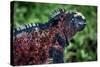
{"type": "Point", "coordinates": [57, 51]}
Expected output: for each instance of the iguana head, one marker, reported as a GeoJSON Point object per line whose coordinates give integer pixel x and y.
{"type": "Point", "coordinates": [76, 20]}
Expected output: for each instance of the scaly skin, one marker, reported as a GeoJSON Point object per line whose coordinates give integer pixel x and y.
{"type": "Point", "coordinates": [42, 44]}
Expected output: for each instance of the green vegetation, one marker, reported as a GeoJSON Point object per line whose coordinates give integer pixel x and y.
{"type": "Point", "coordinates": [83, 46]}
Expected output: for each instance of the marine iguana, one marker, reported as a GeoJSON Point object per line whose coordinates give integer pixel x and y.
{"type": "Point", "coordinates": [38, 43]}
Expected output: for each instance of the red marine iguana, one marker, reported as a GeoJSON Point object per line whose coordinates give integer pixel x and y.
{"type": "Point", "coordinates": [38, 43]}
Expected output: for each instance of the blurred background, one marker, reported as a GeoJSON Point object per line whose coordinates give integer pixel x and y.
{"type": "Point", "coordinates": [83, 46]}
